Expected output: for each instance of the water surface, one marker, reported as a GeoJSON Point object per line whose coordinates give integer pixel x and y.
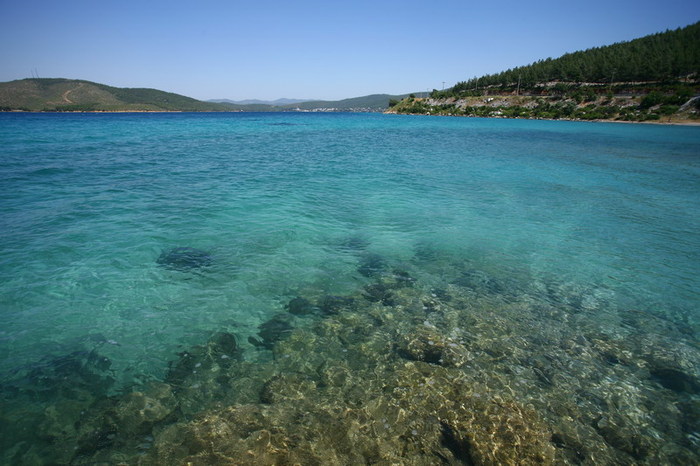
{"type": "Point", "coordinates": [593, 220]}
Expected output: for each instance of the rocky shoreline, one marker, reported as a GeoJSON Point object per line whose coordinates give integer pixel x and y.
{"type": "Point", "coordinates": [619, 109]}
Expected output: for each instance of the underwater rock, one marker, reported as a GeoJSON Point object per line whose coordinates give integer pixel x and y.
{"type": "Point", "coordinates": [287, 387]}
{"type": "Point", "coordinates": [220, 351]}
{"type": "Point", "coordinates": [137, 412]}
{"type": "Point", "coordinates": [443, 376]}
{"type": "Point", "coordinates": [372, 265]}
{"type": "Point", "coordinates": [402, 278]}
{"type": "Point", "coordinates": [184, 259]}
{"type": "Point", "coordinates": [427, 345]}
{"type": "Point", "coordinates": [497, 431]}
{"type": "Point", "coordinates": [333, 375]}
{"type": "Point", "coordinates": [675, 380]}
{"type": "Point", "coordinates": [379, 292]}
{"type": "Point", "coordinates": [223, 346]}
{"type": "Point", "coordinates": [42, 408]}
{"type": "Point", "coordinates": [273, 330]}
{"type": "Point", "coordinates": [300, 306]}
{"type": "Point", "coordinates": [441, 294]}
{"type": "Point", "coordinates": [354, 244]}
{"type": "Point", "coordinates": [240, 435]}
{"type": "Point", "coordinates": [625, 436]}
{"type": "Point", "coordinates": [182, 369]}
{"type": "Point", "coordinates": [479, 281]}
{"type": "Point", "coordinates": [69, 376]}
{"type": "Point", "coordinates": [331, 304]}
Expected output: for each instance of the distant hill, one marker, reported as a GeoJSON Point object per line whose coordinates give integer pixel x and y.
{"type": "Point", "coordinates": [58, 94]}
{"type": "Point", "coordinates": [65, 95]}
{"type": "Point", "coordinates": [374, 102]}
{"type": "Point", "coordinates": [368, 103]}
{"type": "Point", "coordinates": [277, 103]}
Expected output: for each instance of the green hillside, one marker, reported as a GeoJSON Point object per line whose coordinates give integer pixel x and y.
{"type": "Point", "coordinates": [665, 56]}
{"type": "Point", "coordinates": [65, 95]}
{"type": "Point", "coordinates": [652, 78]}
{"type": "Point", "coordinates": [58, 94]}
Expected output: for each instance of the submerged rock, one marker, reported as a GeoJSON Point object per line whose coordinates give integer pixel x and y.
{"type": "Point", "coordinates": [273, 330]}
{"type": "Point", "coordinates": [223, 345]}
{"type": "Point", "coordinates": [497, 431]}
{"type": "Point", "coordinates": [221, 349]}
{"type": "Point", "coordinates": [402, 278]}
{"type": "Point", "coordinates": [355, 244]}
{"type": "Point", "coordinates": [287, 387]}
{"type": "Point", "coordinates": [372, 265]}
{"type": "Point", "coordinates": [137, 412]}
{"type": "Point", "coordinates": [185, 259]}
{"type": "Point", "coordinates": [479, 281]}
{"type": "Point", "coordinates": [67, 376]}
{"type": "Point", "coordinates": [300, 306]}
{"type": "Point", "coordinates": [379, 292]}
{"type": "Point", "coordinates": [427, 345]}
{"type": "Point", "coordinates": [676, 380]}
{"type": "Point", "coordinates": [460, 375]}
{"type": "Point", "coordinates": [331, 304]}
{"type": "Point", "coordinates": [45, 404]}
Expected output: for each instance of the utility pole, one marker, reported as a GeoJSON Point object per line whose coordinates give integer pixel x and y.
{"type": "Point", "coordinates": [443, 85]}
{"type": "Point", "coordinates": [517, 91]}
{"type": "Point", "coordinates": [612, 76]}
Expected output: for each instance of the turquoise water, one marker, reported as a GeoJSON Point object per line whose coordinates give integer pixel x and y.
{"type": "Point", "coordinates": [286, 205]}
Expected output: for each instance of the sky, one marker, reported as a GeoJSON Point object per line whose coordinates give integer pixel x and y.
{"type": "Point", "coordinates": [268, 49]}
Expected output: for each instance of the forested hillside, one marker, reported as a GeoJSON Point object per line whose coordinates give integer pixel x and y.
{"type": "Point", "coordinates": [652, 78]}
{"type": "Point", "coordinates": [662, 57]}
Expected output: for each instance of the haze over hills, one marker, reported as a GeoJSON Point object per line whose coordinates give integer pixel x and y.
{"type": "Point", "coordinates": [278, 102]}
{"type": "Point", "coordinates": [367, 103]}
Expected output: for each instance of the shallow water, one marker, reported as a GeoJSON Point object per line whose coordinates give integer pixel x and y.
{"type": "Point", "coordinates": [589, 219]}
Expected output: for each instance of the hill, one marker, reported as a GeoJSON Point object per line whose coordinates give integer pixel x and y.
{"type": "Point", "coordinates": [278, 102]}
{"type": "Point", "coordinates": [66, 95]}
{"type": "Point", "coordinates": [368, 103]}
{"type": "Point", "coordinates": [651, 78]}
{"type": "Point", "coordinates": [58, 94]}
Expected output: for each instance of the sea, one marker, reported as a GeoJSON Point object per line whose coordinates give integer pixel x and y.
{"type": "Point", "coordinates": [346, 288]}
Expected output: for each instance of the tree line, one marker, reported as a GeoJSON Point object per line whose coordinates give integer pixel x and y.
{"type": "Point", "coordinates": [662, 57]}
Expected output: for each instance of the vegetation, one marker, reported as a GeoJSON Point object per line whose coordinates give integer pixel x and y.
{"type": "Point", "coordinates": [651, 78]}
{"type": "Point", "coordinates": [69, 95]}
{"type": "Point", "coordinates": [662, 57]}
{"type": "Point", "coordinates": [622, 109]}
{"type": "Point", "coordinates": [647, 79]}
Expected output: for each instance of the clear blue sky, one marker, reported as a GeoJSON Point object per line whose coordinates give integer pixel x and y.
{"type": "Point", "coordinates": [328, 49]}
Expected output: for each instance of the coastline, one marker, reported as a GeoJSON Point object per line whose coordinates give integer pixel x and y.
{"type": "Point", "coordinates": [683, 122]}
